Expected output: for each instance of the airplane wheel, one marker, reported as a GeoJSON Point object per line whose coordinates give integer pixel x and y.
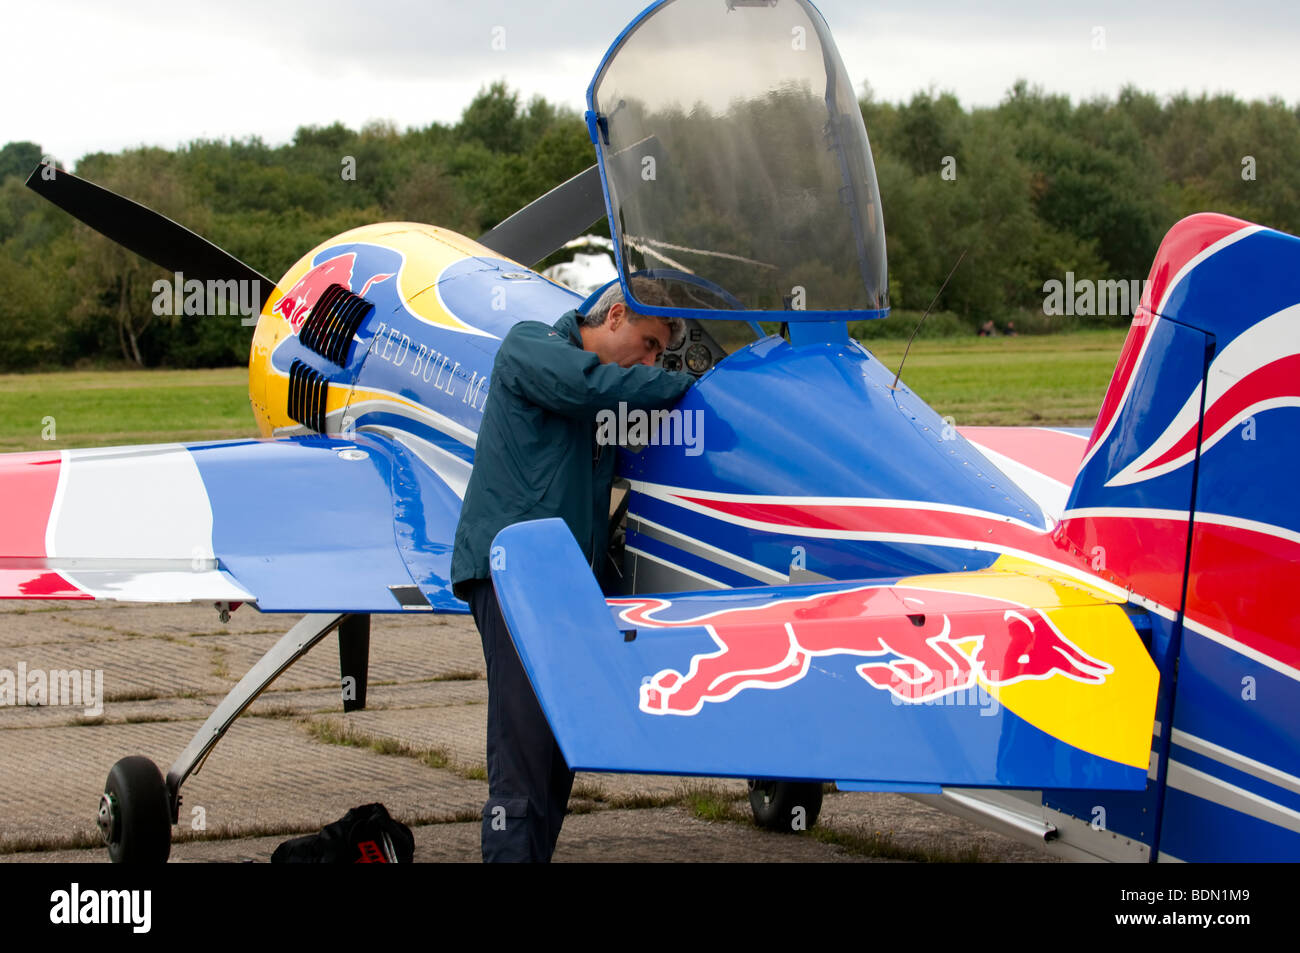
{"type": "Point", "coordinates": [776, 804]}
{"type": "Point", "coordinates": [135, 814]}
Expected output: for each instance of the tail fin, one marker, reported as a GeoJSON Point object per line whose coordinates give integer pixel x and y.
{"type": "Point", "coordinates": [1190, 473]}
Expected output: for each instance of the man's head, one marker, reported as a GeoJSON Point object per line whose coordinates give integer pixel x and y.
{"type": "Point", "coordinates": [616, 334]}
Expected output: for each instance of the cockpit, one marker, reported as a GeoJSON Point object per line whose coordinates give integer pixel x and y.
{"type": "Point", "coordinates": [736, 167]}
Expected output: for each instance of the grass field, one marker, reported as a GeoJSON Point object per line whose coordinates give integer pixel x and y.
{"type": "Point", "coordinates": [1055, 379]}
{"type": "Point", "coordinates": [107, 408]}
{"type": "Point", "coordinates": [1049, 379]}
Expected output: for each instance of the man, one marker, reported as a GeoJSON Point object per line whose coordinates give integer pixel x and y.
{"type": "Point", "coordinates": [537, 457]}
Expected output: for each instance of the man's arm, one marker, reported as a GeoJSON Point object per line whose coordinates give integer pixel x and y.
{"type": "Point", "coordinates": [537, 363]}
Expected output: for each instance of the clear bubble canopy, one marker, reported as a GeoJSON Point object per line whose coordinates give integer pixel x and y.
{"type": "Point", "coordinates": [737, 171]}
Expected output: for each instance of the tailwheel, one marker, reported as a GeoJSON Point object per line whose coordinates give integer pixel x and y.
{"type": "Point", "coordinates": [787, 806]}
{"type": "Point", "coordinates": [135, 813]}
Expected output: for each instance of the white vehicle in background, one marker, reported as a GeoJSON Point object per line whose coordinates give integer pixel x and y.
{"type": "Point", "coordinates": [585, 272]}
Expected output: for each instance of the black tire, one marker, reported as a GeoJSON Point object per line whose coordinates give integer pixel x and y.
{"type": "Point", "coordinates": [135, 813]}
{"type": "Point", "coordinates": [776, 804]}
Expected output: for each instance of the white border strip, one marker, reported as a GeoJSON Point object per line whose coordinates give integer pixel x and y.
{"type": "Point", "coordinates": [1180, 777]}
{"type": "Point", "coordinates": [673, 494]}
{"type": "Point", "coordinates": [1231, 238]}
{"type": "Point", "coordinates": [1255, 655]}
{"type": "Point", "coordinates": [1233, 759]}
{"type": "Point", "coordinates": [682, 569]}
{"type": "Point", "coordinates": [758, 571]}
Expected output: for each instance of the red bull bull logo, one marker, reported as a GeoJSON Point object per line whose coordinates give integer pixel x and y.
{"type": "Point", "coordinates": [925, 644]}
{"type": "Point", "coordinates": [297, 303]}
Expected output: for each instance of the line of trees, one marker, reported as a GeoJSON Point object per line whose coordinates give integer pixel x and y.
{"type": "Point", "coordinates": [1034, 188]}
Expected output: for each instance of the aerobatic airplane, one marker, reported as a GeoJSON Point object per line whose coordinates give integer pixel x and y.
{"type": "Point", "coordinates": [1079, 639]}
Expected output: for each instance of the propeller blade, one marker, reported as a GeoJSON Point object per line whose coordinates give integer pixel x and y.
{"type": "Point", "coordinates": [142, 230]}
{"type": "Point", "coordinates": [545, 224]}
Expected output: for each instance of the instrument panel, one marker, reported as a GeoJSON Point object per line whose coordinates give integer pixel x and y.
{"type": "Point", "coordinates": [696, 354]}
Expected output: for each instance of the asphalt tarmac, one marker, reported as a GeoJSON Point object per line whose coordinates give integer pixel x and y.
{"type": "Point", "coordinates": [294, 762]}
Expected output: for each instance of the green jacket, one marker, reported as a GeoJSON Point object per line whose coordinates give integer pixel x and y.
{"type": "Point", "coordinates": [536, 455]}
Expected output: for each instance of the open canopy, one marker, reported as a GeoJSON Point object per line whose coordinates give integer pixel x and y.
{"type": "Point", "coordinates": [736, 165]}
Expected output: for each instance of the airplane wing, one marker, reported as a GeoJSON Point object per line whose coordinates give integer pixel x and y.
{"type": "Point", "coordinates": [307, 524]}
{"type": "Point", "coordinates": [1007, 677]}
{"type": "Point", "coordinates": [1042, 461]}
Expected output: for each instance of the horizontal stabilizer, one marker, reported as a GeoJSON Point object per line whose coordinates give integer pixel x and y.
{"type": "Point", "coordinates": [1002, 677]}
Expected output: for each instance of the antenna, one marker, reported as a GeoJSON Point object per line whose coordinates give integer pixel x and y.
{"type": "Point", "coordinates": [894, 385]}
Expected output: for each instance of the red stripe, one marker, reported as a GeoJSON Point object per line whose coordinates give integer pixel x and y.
{"type": "Point", "coordinates": [37, 584]}
{"type": "Point", "coordinates": [1243, 584]}
{"type": "Point", "coordinates": [1124, 367]}
{"type": "Point", "coordinates": [1049, 452]}
{"type": "Point", "coordinates": [1280, 378]}
{"type": "Point", "coordinates": [960, 528]}
{"type": "Point", "coordinates": [1140, 553]}
{"type": "Point", "coordinates": [1185, 241]}
{"type": "Point", "coordinates": [28, 482]}
{"type": "Point", "coordinates": [27, 485]}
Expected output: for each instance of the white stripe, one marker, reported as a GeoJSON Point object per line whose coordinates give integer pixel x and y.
{"type": "Point", "coordinates": [124, 509]}
{"type": "Point", "coordinates": [1067, 433]}
{"type": "Point", "coordinates": [1049, 493]}
{"type": "Point", "coordinates": [756, 569]}
{"type": "Point", "coordinates": [395, 403]}
{"type": "Point", "coordinates": [1128, 390]}
{"type": "Point", "coordinates": [1234, 759]}
{"type": "Point", "coordinates": [1230, 239]}
{"type": "Point", "coordinates": [1266, 341]}
{"type": "Point", "coordinates": [1124, 512]}
{"type": "Point", "coordinates": [1217, 791]}
{"type": "Point", "coordinates": [1241, 648]}
{"type": "Point", "coordinates": [56, 505]}
{"type": "Point", "coordinates": [948, 542]}
{"type": "Point", "coordinates": [392, 403]}
{"type": "Point", "coordinates": [124, 502]}
{"type": "Point", "coordinates": [1151, 605]}
{"type": "Point", "coordinates": [1267, 529]}
{"type": "Point", "coordinates": [448, 467]}
{"type": "Point", "coordinates": [1222, 243]}
{"type": "Point", "coordinates": [1129, 512]}
{"type": "Point", "coordinates": [126, 585]}
{"type": "Point", "coordinates": [682, 569]}
{"type": "Point", "coordinates": [673, 494]}
{"type": "Point", "coordinates": [1272, 403]}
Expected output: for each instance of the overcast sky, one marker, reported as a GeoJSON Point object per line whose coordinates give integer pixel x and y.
{"type": "Point", "coordinates": [83, 76]}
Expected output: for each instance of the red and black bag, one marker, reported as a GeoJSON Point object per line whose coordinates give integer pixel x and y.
{"type": "Point", "coordinates": [364, 835]}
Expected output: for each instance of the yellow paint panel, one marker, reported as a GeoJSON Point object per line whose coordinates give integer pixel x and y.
{"type": "Point", "coordinates": [427, 251]}
{"type": "Point", "coordinates": [1016, 580]}
{"type": "Point", "coordinates": [1111, 719]}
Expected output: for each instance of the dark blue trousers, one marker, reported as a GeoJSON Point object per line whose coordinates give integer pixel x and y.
{"type": "Point", "coordinates": [528, 780]}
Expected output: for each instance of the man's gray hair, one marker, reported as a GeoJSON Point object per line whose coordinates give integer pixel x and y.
{"type": "Point", "coordinates": [648, 292]}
